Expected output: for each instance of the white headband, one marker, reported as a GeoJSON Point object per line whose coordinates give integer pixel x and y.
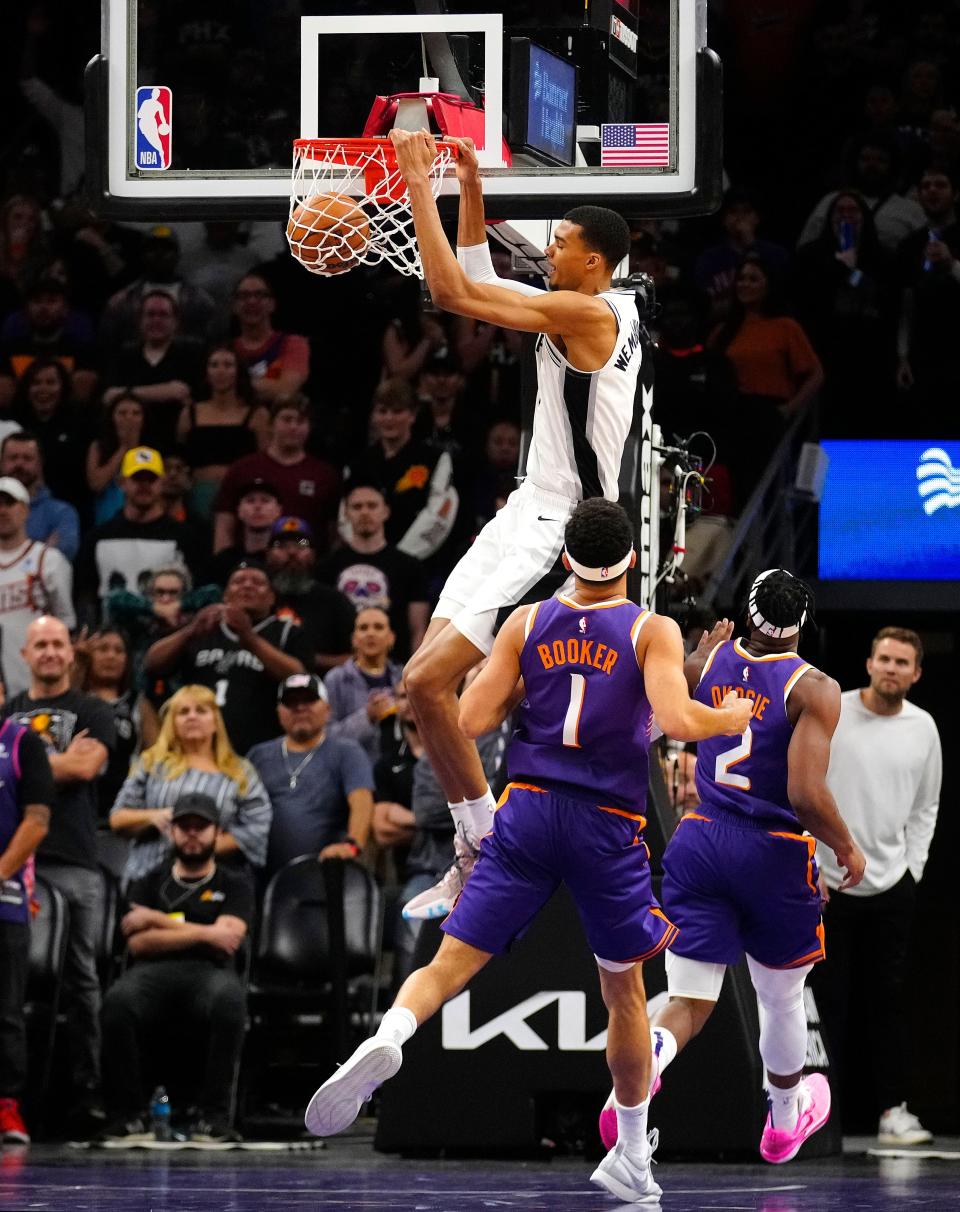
{"type": "Point", "coordinates": [771, 629]}
{"type": "Point", "coordinates": [600, 574]}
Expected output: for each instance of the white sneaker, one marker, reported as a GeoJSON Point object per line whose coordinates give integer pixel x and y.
{"type": "Point", "coordinates": [628, 1177]}
{"type": "Point", "coordinates": [898, 1126]}
{"type": "Point", "coordinates": [439, 900]}
{"type": "Point", "coordinates": [338, 1101]}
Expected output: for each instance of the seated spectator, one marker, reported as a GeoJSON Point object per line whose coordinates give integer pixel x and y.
{"type": "Point", "coordinates": [258, 508]}
{"type": "Point", "coordinates": [716, 268]}
{"type": "Point", "coordinates": [44, 406]}
{"type": "Point", "coordinates": [309, 487]}
{"type": "Point", "coordinates": [371, 572]}
{"type": "Point", "coordinates": [777, 371]}
{"type": "Point", "coordinates": [102, 668]}
{"type": "Point", "coordinates": [226, 424]}
{"type": "Point", "coordinates": [497, 475]}
{"type": "Point", "coordinates": [401, 746]}
{"type": "Point", "coordinates": [417, 480]}
{"type": "Point", "coordinates": [160, 367]}
{"type": "Point", "coordinates": [24, 245]}
{"type": "Point", "coordinates": [122, 430]}
{"type": "Point", "coordinates": [241, 649]}
{"type": "Point", "coordinates": [324, 613]}
{"type": "Point", "coordinates": [117, 554]}
{"type": "Point", "coordinates": [192, 754]}
{"type": "Point", "coordinates": [50, 521]}
{"type": "Point", "coordinates": [47, 328]}
{"type": "Point", "coordinates": [175, 489]}
{"type": "Point", "coordinates": [413, 337]}
{"type": "Point", "coordinates": [320, 786]}
{"type": "Point", "coordinates": [444, 422]}
{"type": "Point", "coordinates": [161, 271]}
{"type": "Point", "coordinates": [185, 924]}
{"type": "Point", "coordinates": [35, 580]}
{"type": "Point", "coordinates": [361, 689]}
{"type": "Point", "coordinates": [278, 363]}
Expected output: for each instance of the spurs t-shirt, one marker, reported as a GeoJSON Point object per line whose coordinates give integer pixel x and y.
{"type": "Point", "coordinates": [56, 720]}
{"type": "Point", "coordinates": [201, 901]}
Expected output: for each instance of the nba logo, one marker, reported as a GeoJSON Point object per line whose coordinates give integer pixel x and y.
{"type": "Point", "coordinates": [154, 136]}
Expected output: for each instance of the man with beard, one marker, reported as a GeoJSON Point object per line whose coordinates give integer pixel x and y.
{"type": "Point", "coordinates": [241, 649]}
{"type": "Point", "coordinates": [320, 786]}
{"type": "Point", "coordinates": [885, 768]}
{"type": "Point", "coordinates": [324, 613]}
{"type": "Point", "coordinates": [184, 925]}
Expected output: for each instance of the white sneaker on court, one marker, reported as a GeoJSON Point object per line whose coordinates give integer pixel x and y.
{"type": "Point", "coordinates": [628, 1176]}
{"type": "Point", "coordinates": [898, 1126]}
{"type": "Point", "coordinates": [440, 899]}
{"type": "Point", "coordinates": [338, 1101]}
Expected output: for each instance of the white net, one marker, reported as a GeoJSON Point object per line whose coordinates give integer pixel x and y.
{"type": "Point", "coordinates": [349, 206]}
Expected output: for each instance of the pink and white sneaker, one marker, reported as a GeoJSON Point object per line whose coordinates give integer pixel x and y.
{"type": "Point", "coordinates": [608, 1116]}
{"type": "Point", "coordinates": [778, 1147]}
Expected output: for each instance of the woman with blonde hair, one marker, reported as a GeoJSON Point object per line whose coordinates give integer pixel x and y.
{"type": "Point", "coordinates": [191, 754]}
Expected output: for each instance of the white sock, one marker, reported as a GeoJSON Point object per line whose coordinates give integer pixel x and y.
{"type": "Point", "coordinates": [474, 818]}
{"type": "Point", "coordinates": [663, 1048]}
{"type": "Point", "coordinates": [784, 1106]}
{"type": "Point", "coordinates": [398, 1024]}
{"type": "Point", "coordinates": [632, 1126]}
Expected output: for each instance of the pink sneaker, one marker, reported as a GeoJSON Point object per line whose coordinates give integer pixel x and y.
{"type": "Point", "coordinates": [608, 1116]}
{"type": "Point", "coordinates": [778, 1147]}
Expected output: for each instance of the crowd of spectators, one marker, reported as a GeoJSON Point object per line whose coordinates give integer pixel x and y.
{"type": "Point", "coordinates": [232, 484]}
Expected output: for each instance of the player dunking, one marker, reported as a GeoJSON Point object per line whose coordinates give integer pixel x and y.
{"type": "Point", "coordinates": [592, 668]}
{"type": "Point", "coordinates": [739, 875]}
{"type": "Point", "coordinates": [588, 359]}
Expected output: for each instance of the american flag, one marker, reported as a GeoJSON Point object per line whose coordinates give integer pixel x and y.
{"type": "Point", "coordinates": [634, 144]}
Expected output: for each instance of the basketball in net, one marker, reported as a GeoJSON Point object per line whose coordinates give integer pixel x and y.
{"type": "Point", "coordinates": [328, 233]}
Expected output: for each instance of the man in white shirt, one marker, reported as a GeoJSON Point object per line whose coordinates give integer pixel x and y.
{"type": "Point", "coordinates": [885, 769]}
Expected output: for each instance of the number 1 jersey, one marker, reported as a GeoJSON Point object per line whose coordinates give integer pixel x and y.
{"type": "Point", "coordinates": [584, 723]}
{"type": "Point", "coordinates": [748, 775]}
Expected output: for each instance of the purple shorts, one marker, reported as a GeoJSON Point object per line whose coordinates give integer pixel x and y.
{"type": "Point", "coordinates": [541, 839]}
{"type": "Point", "coordinates": [733, 886]}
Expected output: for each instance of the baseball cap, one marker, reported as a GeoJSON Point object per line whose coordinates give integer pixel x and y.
{"type": "Point", "coordinates": [141, 458]}
{"type": "Point", "coordinates": [290, 528]}
{"type": "Point", "coordinates": [195, 803]}
{"type": "Point", "coordinates": [303, 683]}
{"type": "Point", "coordinates": [11, 487]}
{"type": "Point", "coordinates": [258, 484]}
{"type": "Point", "coordinates": [161, 231]}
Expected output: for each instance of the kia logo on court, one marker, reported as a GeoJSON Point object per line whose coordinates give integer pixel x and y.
{"type": "Point", "coordinates": [939, 481]}
{"type": "Point", "coordinates": [458, 1036]}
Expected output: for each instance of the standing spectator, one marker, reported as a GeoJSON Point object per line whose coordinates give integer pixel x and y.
{"type": "Point", "coordinates": [34, 580]}
{"type": "Point", "coordinates": [371, 572]}
{"type": "Point", "coordinates": [278, 363]}
{"type": "Point", "coordinates": [309, 487]}
{"type": "Point", "coordinates": [417, 480]}
{"type": "Point", "coordinates": [241, 650]}
{"type": "Point", "coordinates": [24, 247]}
{"type": "Point", "coordinates": [43, 405]}
{"type": "Point", "coordinates": [716, 269]}
{"type": "Point", "coordinates": [777, 371]}
{"type": "Point", "coordinates": [497, 474]}
{"type": "Point", "coordinates": [324, 613]}
{"type": "Point", "coordinates": [160, 368]}
{"type": "Point", "coordinates": [49, 521]}
{"type": "Point", "coordinates": [225, 425]}
{"type": "Point", "coordinates": [320, 786]}
{"type": "Point", "coordinates": [184, 926]}
{"type": "Point", "coordinates": [121, 431]}
{"type": "Point", "coordinates": [26, 796]}
{"type": "Point", "coordinates": [117, 554]}
{"type": "Point", "coordinates": [258, 508]}
{"type": "Point", "coordinates": [445, 423]}
{"type": "Point", "coordinates": [413, 337]}
{"type": "Point", "coordinates": [161, 272]}
{"type": "Point", "coordinates": [47, 328]}
{"type": "Point", "coordinates": [885, 769]}
{"type": "Point", "coordinates": [930, 312]}
{"type": "Point", "coordinates": [78, 732]}
{"type": "Point", "coordinates": [361, 689]}
{"type": "Point", "coordinates": [191, 754]}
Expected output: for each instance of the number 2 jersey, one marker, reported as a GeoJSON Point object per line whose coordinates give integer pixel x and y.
{"type": "Point", "coordinates": [748, 775]}
{"type": "Point", "coordinates": [585, 721]}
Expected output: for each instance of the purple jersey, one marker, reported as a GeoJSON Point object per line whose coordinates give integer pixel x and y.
{"type": "Point", "coordinates": [748, 775]}
{"type": "Point", "coordinates": [584, 723]}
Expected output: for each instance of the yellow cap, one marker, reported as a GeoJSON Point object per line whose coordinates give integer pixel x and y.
{"type": "Point", "coordinates": [141, 458]}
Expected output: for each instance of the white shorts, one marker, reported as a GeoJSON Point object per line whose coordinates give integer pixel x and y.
{"type": "Point", "coordinates": [511, 556]}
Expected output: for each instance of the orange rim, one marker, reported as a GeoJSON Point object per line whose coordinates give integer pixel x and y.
{"type": "Point", "coordinates": [355, 149]}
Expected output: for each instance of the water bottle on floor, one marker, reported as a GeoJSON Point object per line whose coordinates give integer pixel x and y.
{"type": "Point", "coordinates": [160, 1114]}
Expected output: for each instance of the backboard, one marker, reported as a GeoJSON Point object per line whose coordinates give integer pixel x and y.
{"type": "Point", "coordinates": [192, 104]}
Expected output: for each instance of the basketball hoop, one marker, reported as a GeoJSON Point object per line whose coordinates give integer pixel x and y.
{"type": "Point", "coordinates": [349, 205]}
